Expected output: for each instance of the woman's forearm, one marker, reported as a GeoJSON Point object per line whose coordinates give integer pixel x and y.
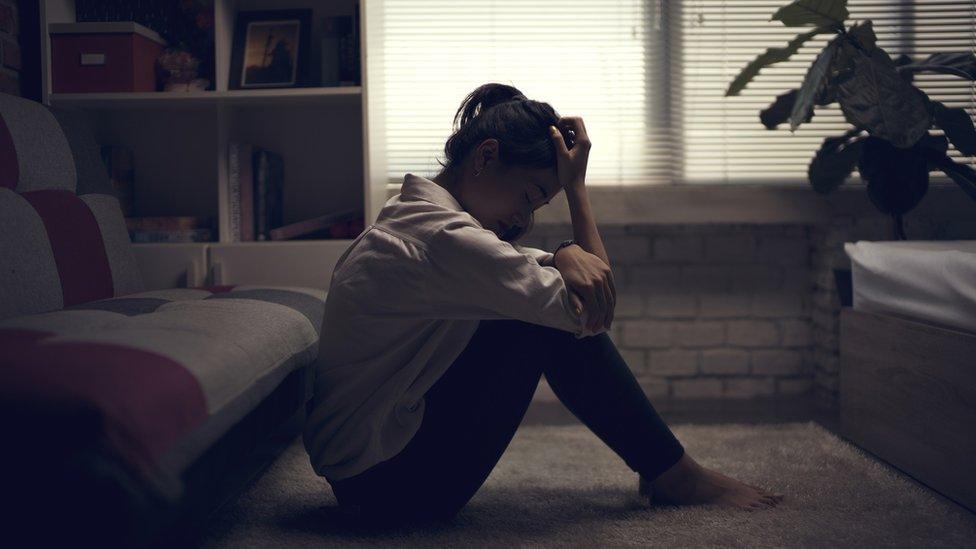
{"type": "Point", "coordinates": [584, 225]}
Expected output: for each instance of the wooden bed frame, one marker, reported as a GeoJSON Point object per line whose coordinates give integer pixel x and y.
{"type": "Point", "coordinates": [908, 395]}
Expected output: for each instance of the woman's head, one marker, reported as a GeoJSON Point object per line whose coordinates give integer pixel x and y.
{"type": "Point", "coordinates": [501, 159]}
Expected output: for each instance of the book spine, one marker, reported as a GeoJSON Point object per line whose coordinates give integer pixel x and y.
{"type": "Point", "coordinates": [330, 52]}
{"type": "Point", "coordinates": [275, 200]}
{"type": "Point", "coordinates": [246, 178]}
{"type": "Point", "coordinates": [356, 45]}
{"type": "Point", "coordinates": [234, 192]}
{"type": "Point", "coordinates": [261, 196]}
{"type": "Point", "coordinates": [346, 53]}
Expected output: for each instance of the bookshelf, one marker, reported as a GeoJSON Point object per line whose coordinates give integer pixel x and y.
{"type": "Point", "coordinates": [180, 143]}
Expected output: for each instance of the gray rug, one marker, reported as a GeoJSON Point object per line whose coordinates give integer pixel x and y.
{"type": "Point", "coordinates": [560, 485]}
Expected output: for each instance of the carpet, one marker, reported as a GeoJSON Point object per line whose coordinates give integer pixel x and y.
{"type": "Point", "coordinates": [560, 485]}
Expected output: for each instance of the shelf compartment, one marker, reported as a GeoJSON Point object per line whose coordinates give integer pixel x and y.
{"type": "Point", "coordinates": [198, 98]}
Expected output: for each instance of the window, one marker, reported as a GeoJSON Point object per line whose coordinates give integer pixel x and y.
{"type": "Point", "coordinates": [648, 76]}
{"type": "Point", "coordinates": [723, 140]}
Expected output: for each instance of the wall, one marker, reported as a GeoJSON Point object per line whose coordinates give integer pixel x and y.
{"type": "Point", "coordinates": [10, 58]}
{"type": "Point", "coordinates": [733, 310]}
{"type": "Point", "coordinates": [709, 311]}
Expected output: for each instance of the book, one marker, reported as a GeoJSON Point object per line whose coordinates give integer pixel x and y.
{"type": "Point", "coordinates": [340, 50]}
{"type": "Point", "coordinates": [315, 225]}
{"type": "Point", "coordinates": [240, 176]}
{"type": "Point", "coordinates": [179, 235]}
{"type": "Point", "coordinates": [166, 223]}
{"type": "Point", "coordinates": [246, 176]}
{"type": "Point", "coordinates": [269, 176]}
{"type": "Point", "coordinates": [233, 191]}
{"type": "Point", "coordinates": [329, 45]}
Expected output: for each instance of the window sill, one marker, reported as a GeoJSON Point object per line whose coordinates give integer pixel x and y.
{"type": "Point", "coordinates": [728, 203]}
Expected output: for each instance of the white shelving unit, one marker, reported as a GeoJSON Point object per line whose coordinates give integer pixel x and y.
{"type": "Point", "coordinates": [180, 143]}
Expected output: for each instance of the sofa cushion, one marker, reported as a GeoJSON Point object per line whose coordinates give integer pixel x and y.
{"type": "Point", "coordinates": [63, 239]}
{"type": "Point", "coordinates": [168, 370]}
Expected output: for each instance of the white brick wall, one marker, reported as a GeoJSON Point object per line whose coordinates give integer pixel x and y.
{"type": "Point", "coordinates": [710, 311]}
{"type": "Point", "coordinates": [736, 311]}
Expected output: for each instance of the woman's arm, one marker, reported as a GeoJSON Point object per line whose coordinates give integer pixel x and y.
{"type": "Point", "coordinates": [585, 266]}
{"type": "Point", "coordinates": [584, 225]}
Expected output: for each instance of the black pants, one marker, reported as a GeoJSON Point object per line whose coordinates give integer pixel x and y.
{"type": "Point", "coordinates": [472, 412]}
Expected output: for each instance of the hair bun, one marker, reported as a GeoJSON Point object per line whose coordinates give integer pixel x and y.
{"type": "Point", "coordinates": [485, 97]}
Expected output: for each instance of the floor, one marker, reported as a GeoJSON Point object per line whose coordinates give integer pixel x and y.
{"type": "Point", "coordinates": [754, 410]}
{"type": "Point", "coordinates": [542, 493]}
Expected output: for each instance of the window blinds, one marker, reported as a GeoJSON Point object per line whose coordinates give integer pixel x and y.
{"type": "Point", "coordinates": [647, 76]}
{"type": "Point", "coordinates": [585, 58]}
{"type": "Point", "coordinates": [723, 139]}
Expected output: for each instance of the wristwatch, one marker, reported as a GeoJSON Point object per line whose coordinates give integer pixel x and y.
{"type": "Point", "coordinates": [562, 245]}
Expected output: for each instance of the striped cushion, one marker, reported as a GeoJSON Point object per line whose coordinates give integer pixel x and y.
{"type": "Point", "coordinates": [169, 371]}
{"type": "Point", "coordinates": [63, 239]}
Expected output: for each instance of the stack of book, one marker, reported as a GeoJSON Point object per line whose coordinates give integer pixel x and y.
{"type": "Point", "coordinates": [170, 229]}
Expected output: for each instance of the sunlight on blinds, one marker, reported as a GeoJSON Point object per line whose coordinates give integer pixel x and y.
{"type": "Point", "coordinates": [585, 58]}
{"type": "Point", "coordinates": [723, 139]}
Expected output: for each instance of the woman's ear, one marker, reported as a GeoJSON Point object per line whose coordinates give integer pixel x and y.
{"type": "Point", "coordinates": [487, 154]}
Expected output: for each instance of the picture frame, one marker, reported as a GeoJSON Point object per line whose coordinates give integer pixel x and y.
{"type": "Point", "coordinates": [270, 49]}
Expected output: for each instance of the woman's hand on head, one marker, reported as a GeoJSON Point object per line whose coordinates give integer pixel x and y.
{"type": "Point", "coordinates": [590, 282]}
{"type": "Point", "coordinates": [571, 162]}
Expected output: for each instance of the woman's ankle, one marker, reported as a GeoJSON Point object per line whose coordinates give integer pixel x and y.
{"type": "Point", "coordinates": [686, 468]}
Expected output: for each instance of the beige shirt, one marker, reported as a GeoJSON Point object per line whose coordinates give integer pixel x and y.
{"type": "Point", "coordinates": [403, 302]}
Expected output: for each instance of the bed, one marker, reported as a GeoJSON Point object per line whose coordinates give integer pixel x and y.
{"type": "Point", "coordinates": [929, 281]}
{"type": "Point", "coordinates": [908, 360]}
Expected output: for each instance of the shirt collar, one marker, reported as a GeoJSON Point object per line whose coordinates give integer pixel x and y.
{"type": "Point", "coordinates": [421, 188]}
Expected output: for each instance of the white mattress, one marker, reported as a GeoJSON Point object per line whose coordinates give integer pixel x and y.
{"type": "Point", "coordinates": [931, 281]}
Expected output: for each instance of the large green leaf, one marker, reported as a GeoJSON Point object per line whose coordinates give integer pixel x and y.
{"type": "Point", "coordinates": [820, 13]}
{"type": "Point", "coordinates": [779, 110]}
{"type": "Point", "coordinates": [813, 84]}
{"type": "Point", "coordinates": [958, 127]}
{"type": "Point", "coordinates": [877, 99]}
{"type": "Point", "coordinates": [771, 56]}
{"type": "Point", "coordinates": [961, 64]}
{"type": "Point", "coordinates": [835, 161]}
{"type": "Point", "coordinates": [863, 33]}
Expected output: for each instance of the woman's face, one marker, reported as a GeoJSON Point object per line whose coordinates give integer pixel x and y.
{"type": "Point", "coordinates": [503, 198]}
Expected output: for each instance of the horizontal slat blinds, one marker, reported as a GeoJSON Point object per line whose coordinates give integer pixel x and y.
{"type": "Point", "coordinates": [723, 139]}
{"type": "Point", "coordinates": [585, 58]}
{"type": "Point", "coordinates": [647, 76]}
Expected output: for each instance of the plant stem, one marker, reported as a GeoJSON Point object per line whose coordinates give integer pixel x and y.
{"type": "Point", "coordinates": [898, 227]}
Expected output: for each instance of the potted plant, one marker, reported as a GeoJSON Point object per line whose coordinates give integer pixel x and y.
{"type": "Point", "coordinates": [187, 64]}
{"type": "Point", "coordinates": [889, 142]}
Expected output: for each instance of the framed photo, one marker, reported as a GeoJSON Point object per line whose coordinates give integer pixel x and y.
{"type": "Point", "coordinates": [271, 49]}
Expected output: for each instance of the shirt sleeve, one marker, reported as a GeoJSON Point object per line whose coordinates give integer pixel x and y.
{"type": "Point", "coordinates": [475, 274]}
{"type": "Point", "coordinates": [541, 257]}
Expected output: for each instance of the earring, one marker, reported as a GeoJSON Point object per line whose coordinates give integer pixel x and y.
{"type": "Point", "coordinates": [476, 173]}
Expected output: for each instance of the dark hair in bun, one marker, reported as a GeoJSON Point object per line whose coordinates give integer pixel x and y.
{"type": "Point", "coordinates": [520, 125]}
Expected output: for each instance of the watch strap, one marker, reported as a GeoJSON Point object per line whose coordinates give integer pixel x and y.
{"type": "Point", "coordinates": [563, 244]}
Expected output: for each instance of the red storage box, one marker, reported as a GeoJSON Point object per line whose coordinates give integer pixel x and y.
{"type": "Point", "coordinates": [103, 57]}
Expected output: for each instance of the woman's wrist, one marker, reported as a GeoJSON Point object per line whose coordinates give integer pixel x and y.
{"type": "Point", "coordinates": [563, 244]}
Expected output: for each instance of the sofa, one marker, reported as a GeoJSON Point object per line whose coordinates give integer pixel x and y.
{"type": "Point", "coordinates": [129, 415]}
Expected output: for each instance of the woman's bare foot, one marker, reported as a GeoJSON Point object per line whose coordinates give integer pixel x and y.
{"type": "Point", "coordinates": [687, 482]}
